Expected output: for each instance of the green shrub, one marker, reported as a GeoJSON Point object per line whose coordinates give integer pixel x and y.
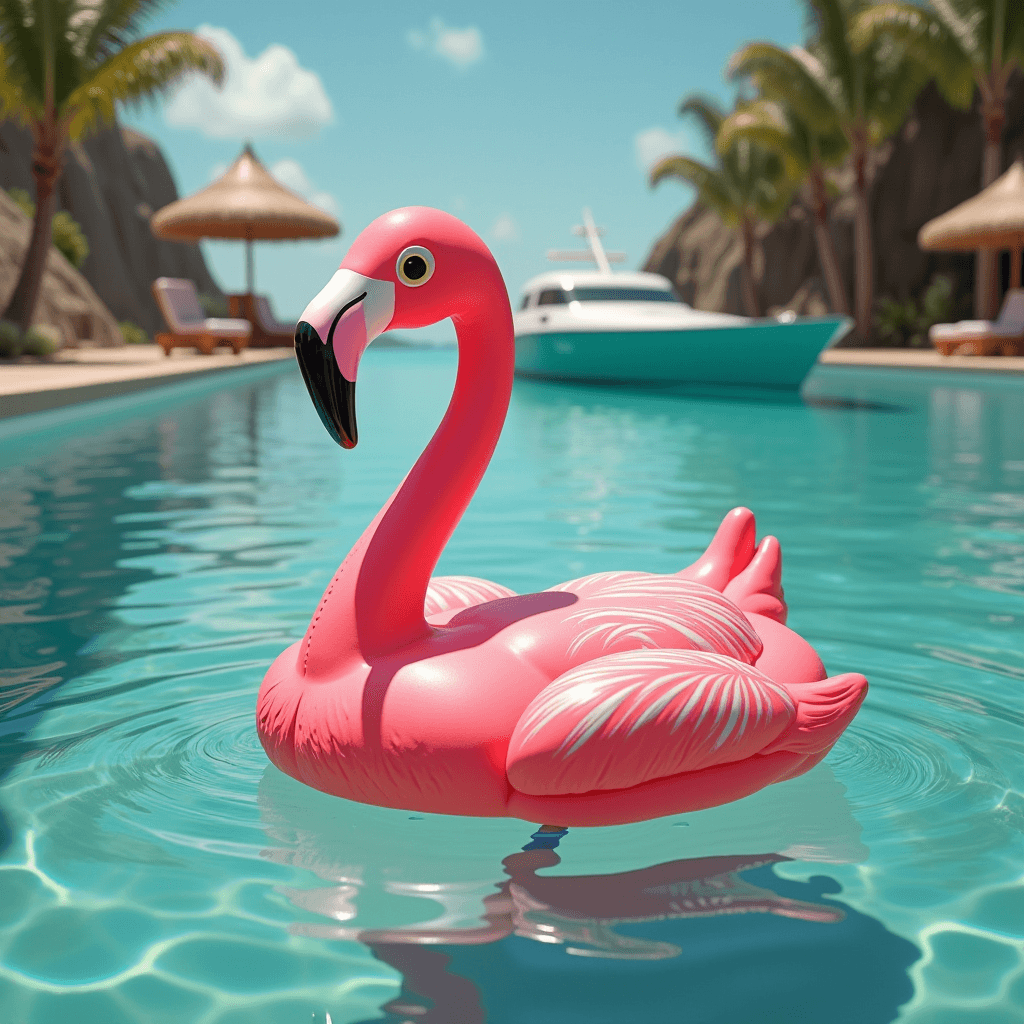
{"type": "Point", "coordinates": [65, 231]}
{"type": "Point", "coordinates": [213, 305]}
{"type": "Point", "coordinates": [906, 324]}
{"type": "Point", "coordinates": [35, 343]}
{"type": "Point", "coordinates": [133, 334]}
{"type": "Point", "coordinates": [23, 201]}
{"type": "Point", "coordinates": [68, 238]}
{"type": "Point", "coordinates": [10, 340]}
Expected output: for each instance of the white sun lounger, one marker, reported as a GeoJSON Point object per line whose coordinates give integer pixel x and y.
{"type": "Point", "coordinates": [189, 327]}
{"type": "Point", "coordinates": [985, 337]}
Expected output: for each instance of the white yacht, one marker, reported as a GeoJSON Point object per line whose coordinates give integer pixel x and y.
{"type": "Point", "coordinates": [603, 327]}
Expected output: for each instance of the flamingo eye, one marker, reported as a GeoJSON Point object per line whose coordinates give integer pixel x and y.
{"type": "Point", "coordinates": [415, 266]}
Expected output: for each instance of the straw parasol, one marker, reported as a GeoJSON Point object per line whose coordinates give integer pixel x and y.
{"type": "Point", "coordinates": [245, 202]}
{"type": "Point", "coordinates": [993, 219]}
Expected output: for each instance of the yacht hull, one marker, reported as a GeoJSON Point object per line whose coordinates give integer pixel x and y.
{"type": "Point", "coordinates": [760, 354]}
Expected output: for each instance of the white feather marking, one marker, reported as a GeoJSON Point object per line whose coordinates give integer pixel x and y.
{"type": "Point", "coordinates": [700, 616]}
{"type": "Point", "coordinates": [691, 703]}
{"type": "Point", "coordinates": [446, 593]}
{"type": "Point", "coordinates": [734, 712]}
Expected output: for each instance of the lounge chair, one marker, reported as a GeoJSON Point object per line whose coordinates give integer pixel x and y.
{"type": "Point", "coordinates": [189, 327]}
{"type": "Point", "coordinates": [267, 330]}
{"type": "Point", "coordinates": [1004, 336]}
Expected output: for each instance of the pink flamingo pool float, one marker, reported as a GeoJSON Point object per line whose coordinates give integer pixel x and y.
{"type": "Point", "coordinates": [613, 698]}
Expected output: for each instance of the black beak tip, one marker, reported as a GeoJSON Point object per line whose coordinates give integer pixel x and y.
{"type": "Point", "coordinates": [334, 396]}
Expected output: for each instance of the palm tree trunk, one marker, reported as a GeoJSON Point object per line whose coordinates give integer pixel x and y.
{"type": "Point", "coordinates": [863, 244]}
{"type": "Point", "coordinates": [747, 288]}
{"type": "Point", "coordinates": [986, 265]}
{"type": "Point", "coordinates": [46, 168]}
{"type": "Point", "coordinates": [823, 241]}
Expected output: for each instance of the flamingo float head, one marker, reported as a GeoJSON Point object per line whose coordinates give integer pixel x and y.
{"type": "Point", "coordinates": [410, 268]}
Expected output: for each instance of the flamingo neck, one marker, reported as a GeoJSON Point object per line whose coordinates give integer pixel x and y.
{"type": "Point", "coordinates": [374, 604]}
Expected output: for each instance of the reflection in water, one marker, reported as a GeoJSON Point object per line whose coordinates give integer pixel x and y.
{"type": "Point", "coordinates": [549, 939]}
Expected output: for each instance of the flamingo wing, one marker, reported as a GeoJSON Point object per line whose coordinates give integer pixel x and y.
{"type": "Point", "coordinates": [638, 716]}
{"type": "Point", "coordinates": [449, 594]}
{"type": "Point", "coordinates": [641, 715]}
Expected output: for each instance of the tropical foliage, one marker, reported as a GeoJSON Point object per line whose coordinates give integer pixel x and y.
{"type": "Point", "coordinates": [748, 184]}
{"type": "Point", "coordinates": [65, 66]}
{"type": "Point", "coordinates": [15, 343]}
{"type": "Point", "coordinates": [831, 102]}
{"type": "Point", "coordinates": [965, 45]}
{"type": "Point", "coordinates": [66, 233]}
{"type": "Point", "coordinates": [905, 324]}
{"type": "Point", "coordinates": [863, 93]}
{"type": "Point", "coordinates": [806, 154]}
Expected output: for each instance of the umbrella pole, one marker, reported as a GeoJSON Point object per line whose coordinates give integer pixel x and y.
{"type": "Point", "coordinates": [249, 272]}
{"type": "Point", "coordinates": [1015, 268]}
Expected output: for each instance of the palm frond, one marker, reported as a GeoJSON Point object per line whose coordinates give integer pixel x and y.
{"type": "Point", "coordinates": [22, 42]}
{"type": "Point", "coordinates": [793, 77]}
{"type": "Point", "coordinates": [971, 29]}
{"type": "Point", "coordinates": [764, 123]}
{"type": "Point", "coordinates": [1013, 42]}
{"type": "Point", "coordinates": [15, 101]}
{"type": "Point", "coordinates": [712, 188]}
{"type": "Point", "coordinates": [137, 73]}
{"type": "Point", "coordinates": [108, 26]}
{"type": "Point", "coordinates": [707, 111]}
{"type": "Point", "coordinates": [832, 19]}
{"type": "Point", "coordinates": [925, 38]}
{"type": "Point", "coordinates": [891, 93]}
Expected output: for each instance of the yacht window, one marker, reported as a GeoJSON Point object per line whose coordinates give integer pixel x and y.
{"type": "Point", "coordinates": [621, 294]}
{"type": "Point", "coordinates": [525, 302]}
{"type": "Point", "coordinates": [552, 297]}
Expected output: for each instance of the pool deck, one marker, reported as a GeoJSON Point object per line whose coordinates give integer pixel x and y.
{"type": "Point", "coordinates": [84, 374]}
{"type": "Point", "coordinates": [80, 375]}
{"type": "Point", "coordinates": [920, 359]}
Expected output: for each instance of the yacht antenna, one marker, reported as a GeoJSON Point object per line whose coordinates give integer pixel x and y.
{"type": "Point", "coordinates": [592, 233]}
{"type": "Point", "coordinates": [594, 238]}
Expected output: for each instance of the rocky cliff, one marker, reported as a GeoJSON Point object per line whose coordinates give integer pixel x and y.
{"type": "Point", "coordinates": [67, 302]}
{"type": "Point", "coordinates": [931, 165]}
{"type": "Point", "coordinates": [112, 183]}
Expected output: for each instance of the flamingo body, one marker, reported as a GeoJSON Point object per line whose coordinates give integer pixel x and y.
{"type": "Point", "coordinates": [611, 698]}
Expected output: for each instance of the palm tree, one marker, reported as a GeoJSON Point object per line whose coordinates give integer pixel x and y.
{"type": "Point", "coordinates": [747, 185]}
{"type": "Point", "coordinates": [805, 154]}
{"type": "Point", "coordinates": [965, 44]}
{"type": "Point", "coordinates": [863, 93]}
{"type": "Point", "coordinates": [64, 67]}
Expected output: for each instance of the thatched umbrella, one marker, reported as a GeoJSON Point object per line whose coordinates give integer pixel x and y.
{"type": "Point", "coordinates": [993, 219]}
{"type": "Point", "coordinates": [245, 202]}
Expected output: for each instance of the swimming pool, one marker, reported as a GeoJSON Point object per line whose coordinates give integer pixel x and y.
{"type": "Point", "coordinates": [157, 552]}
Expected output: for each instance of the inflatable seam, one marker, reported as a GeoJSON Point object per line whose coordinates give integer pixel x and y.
{"type": "Point", "coordinates": [316, 619]}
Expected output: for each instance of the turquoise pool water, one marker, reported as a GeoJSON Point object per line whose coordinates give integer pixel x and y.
{"type": "Point", "coordinates": [156, 553]}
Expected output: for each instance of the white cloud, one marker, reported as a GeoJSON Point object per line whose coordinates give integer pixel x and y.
{"type": "Point", "coordinates": [266, 96]}
{"type": "Point", "coordinates": [652, 144]}
{"type": "Point", "coordinates": [291, 175]}
{"type": "Point", "coordinates": [505, 229]}
{"type": "Point", "coordinates": [460, 46]}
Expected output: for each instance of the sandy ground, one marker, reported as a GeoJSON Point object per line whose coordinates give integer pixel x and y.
{"type": "Point", "coordinates": [80, 375]}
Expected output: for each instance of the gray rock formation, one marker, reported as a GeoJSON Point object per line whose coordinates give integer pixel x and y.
{"type": "Point", "coordinates": [66, 300]}
{"type": "Point", "coordinates": [112, 183]}
{"type": "Point", "coordinates": [930, 166]}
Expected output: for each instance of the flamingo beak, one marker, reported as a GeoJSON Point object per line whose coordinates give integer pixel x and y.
{"type": "Point", "coordinates": [330, 338]}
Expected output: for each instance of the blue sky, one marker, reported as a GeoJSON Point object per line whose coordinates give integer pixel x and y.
{"type": "Point", "coordinates": [512, 117]}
